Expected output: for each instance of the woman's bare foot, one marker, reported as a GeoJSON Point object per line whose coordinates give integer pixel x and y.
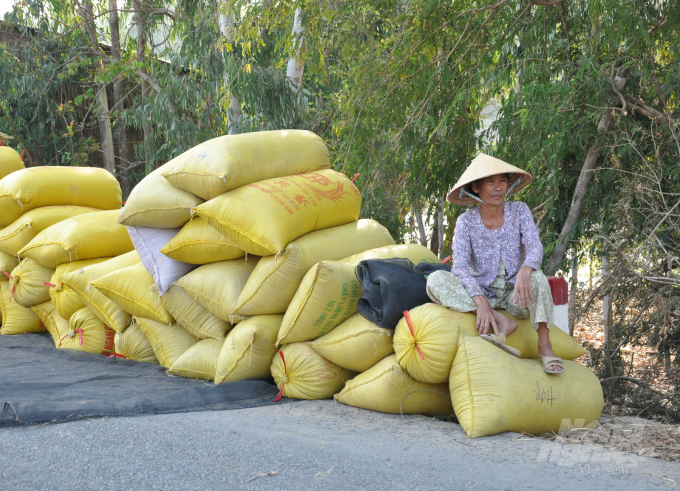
{"type": "Point", "coordinates": [506, 326]}
{"type": "Point", "coordinates": [545, 347]}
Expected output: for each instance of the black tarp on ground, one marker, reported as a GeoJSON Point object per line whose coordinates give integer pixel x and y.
{"type": "Point", "coordinates": [39, 384]}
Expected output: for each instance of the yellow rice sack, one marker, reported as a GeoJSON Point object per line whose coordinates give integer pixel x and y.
{"type": "Point", "coordinates": [28, 189]}
{"type": "Point", "coordinates": [133, 345]}
{"type": "Point", "coordinates": [525, 339]}
{"type": "Point", "coordinates": [302, 373]}
{"type": "Point", "coordinates": [7, 264]}
{"type": "Point", "coordinates": [106, 310]}
{"type": "Point", "coordinates": [154, 202]}
{"type": "Point", "coordinates": [329, 292]}
{"type": "Point", "coordinates": [10, 161]}
{"type": "Point", "coordinates": [192, 316]}
{"type": "Point", "coordinates": [425, 342]}
{"type": "Point", "coordinates": [229, 162]}
{"type": "Point", "coordinates": [217, 286]}
{"type": "Point", "coordinates": [426, 348]}
{"type": "Point", "coordinates": [168, 342]}
{"type": "Point", "coordinates": [357, 344]}
{"type": "Point", "coordinates": [199, 243]}
{"type": "Point", "coordinates": [88, 333]}
{"type": "Point", "coordinates": [199, 361]}
{"type": "Point", "coordinates": [65, 299]}
{"type": "Point", "coordinates": [55, 324]}
{"type": "Point", "coordinates": [248, 350]}
{"type": "Point", "coordinates": [15, 318]}
{"type": "Point", "coordinates": [275, 280]}
{"type": "Point", "coordinates": [387, 388]}
{"type": "Point", "coordinates": [88, 236]}
{"type": "Point", "coordinates": [16, 236]}
{"type": "Point", "coordinates": [133, 290]}
{"type": "Point", "coordinates": [28, 283]}
{"type": "Point", "coordinates": [493, 391]}
{"type": "Point", "coordinates": [263, 218]}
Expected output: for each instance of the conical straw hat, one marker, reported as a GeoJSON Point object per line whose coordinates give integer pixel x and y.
{"type": "Point", "coordinates": [484, 166]}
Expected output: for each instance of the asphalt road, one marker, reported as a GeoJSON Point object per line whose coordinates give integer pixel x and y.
{"type": "Point", "coordinates": [305, 445]}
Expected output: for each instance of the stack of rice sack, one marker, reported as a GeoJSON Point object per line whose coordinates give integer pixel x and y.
{"type": "Point", "coordinates": [78, 290]}
{"type": "Point", "coordinates": [226, 233]}
{"type": "Point", "coordinates": [10, 161]}
{"type": "Point", "coordinates": [438, 351]}
{"type": "Point", "coordinates": [326, 343]}
{"type": "Point", "coordinates": [56, 220]}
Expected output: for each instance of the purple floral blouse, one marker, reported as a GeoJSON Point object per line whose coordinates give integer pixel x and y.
{"type": "Point", "coordinates": [477, 251]}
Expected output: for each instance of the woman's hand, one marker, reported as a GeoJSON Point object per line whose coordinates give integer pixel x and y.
{"type": "Point", "coordinates": [484, 315]}
{"type": "Point", "coordinates": [523, 292]}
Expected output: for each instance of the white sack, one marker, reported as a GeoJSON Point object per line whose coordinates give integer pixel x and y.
{"type": "Point", "coordinates": [148, 242]}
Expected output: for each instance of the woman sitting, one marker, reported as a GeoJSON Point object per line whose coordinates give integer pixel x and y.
{"type": "Point", "coordinates": [497, 256]}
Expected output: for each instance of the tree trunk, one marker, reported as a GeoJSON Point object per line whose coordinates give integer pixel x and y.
{"type": "Point", "coordinates": [421, 225]}
{"type": "Point", "coordinates": [583, 182]}
{"type": "Point", "coordinates": [147, 126]}
{"type": "Point", "coordinates": [103, 117]}
{"type": "Point", "coordinates": [295, 67]}
{"type": "Point", "coordinates": [607, 314]}
{"type": "Point", "coordinates": [234, 113]}
{"type": "Point", "coordinates": [88, 18]}
{"type": "Point", "coordinates": [434, 240]}
{"type": "Point", "coordinates": [106, 137]}
{"type": "Point", "coordinates": [440, 227]}
{"type": "Point", "coordinates": [123, 165]}
{"type": "Point", "coordinates": [573, 288]}
{"type": "Point", "coordinates": [449, 233]}
{"type": "Point", "coordinates": [606, 299]}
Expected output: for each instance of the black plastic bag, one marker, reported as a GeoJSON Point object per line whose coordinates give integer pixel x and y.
{"type": "Point", "coordinates": [392, 286]}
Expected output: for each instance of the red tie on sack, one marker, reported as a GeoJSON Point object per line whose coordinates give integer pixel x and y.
{"type": "Point", "coordinates": [13, 287]}
{"type": "Point", "coordinates": [446, 260]}
{"type": "Point", "coordinates": [285, 370]}
{"type": "Point", "coordinates": [80, 336]}
{"type": "Point", "coordinates": [407, 316]}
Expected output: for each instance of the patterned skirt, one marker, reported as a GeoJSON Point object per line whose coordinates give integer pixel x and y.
{"type": "Point", "coordinates": [444, 288]}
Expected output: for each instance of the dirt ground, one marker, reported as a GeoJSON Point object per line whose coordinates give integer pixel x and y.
{"type": "Point", "coordinates": [589, 329]}
{"type": "Point", "coordinates": [624, 428]}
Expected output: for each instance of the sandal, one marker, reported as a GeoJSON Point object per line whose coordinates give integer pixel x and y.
{"type": "Point", "coordinates": [552, 360]}
{"type": "Point", "coordinates": [499, 340]}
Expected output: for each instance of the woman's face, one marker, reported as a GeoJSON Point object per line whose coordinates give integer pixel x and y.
{"type": "Point", "coordinates": [492, 189]}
